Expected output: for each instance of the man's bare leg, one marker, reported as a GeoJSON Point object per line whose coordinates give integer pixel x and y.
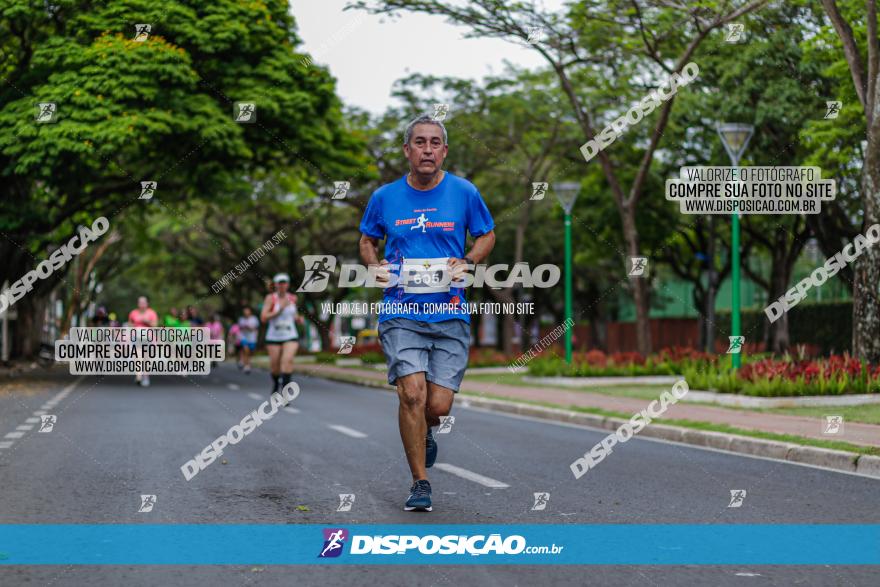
{"type": "Point", "coordinates": [412, 391]}
{"type": "Point", "coordinates": [439, 403]}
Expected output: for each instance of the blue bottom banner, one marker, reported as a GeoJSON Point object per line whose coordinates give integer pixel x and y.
{"type": "Point", "coordinates": [416, 544]}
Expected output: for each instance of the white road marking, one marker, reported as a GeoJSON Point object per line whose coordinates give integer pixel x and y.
{"type": "Point", "coordinates": [471, 476]}
{"type": "Point", "coordinates": [291, 410]}
{"type": "Point", "coordinates": [70, 387]}
{"type": "Point", "coordinates": [254, 395]}
{"type": "Point", "coordinates": [50, 404]}
{"type": "Point", "coordinates": [347, 431]}
{"type": "Point", "coordinates": [233, 386]}
{"type": "Point", "coordinates": [748, 574]}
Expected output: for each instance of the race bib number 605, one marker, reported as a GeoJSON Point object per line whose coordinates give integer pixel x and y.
{"type": "Point", "coordinates": [425, 275]}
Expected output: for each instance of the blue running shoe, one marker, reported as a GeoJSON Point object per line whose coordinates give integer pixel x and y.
{"type": "Point", "coordinates": [430, 450]}
{"type": "Point", "coordinates": [419, 497]}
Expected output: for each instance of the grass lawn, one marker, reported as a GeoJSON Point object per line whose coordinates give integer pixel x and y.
{"type": "Point", "coordinates": [628, 390]}
{"type": "Point", "coordinates": [830, 444]}
{"type": "Point", "coordinates": [867, 414]}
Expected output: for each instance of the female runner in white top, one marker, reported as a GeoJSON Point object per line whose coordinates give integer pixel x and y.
{"type": "Point", "coordinates": [282, 339]}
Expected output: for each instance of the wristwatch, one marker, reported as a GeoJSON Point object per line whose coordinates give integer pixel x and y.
{"type": "Point", "coordinates": [470, 261]}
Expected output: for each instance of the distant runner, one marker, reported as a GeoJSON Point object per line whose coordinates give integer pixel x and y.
{"type": "Point", "coordinates": [425, 218]}
{"type": "Point", "coordinates": [143, 317]}
{"type": "Point", "coordinates": [215, 330]}
{"type": "Point", "coordinates": [248, 328]}
{"type": "Point", "coordinates": [282, 339]}
{"type": "Point", "coordinates": [171, 319]}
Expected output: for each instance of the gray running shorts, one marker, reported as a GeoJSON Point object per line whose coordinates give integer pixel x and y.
{"type": "Point", "coordinates": [440, 349]}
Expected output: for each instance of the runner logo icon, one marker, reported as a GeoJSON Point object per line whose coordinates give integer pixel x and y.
{"type": "Point", "coordinates": [833, 425]}
{"type": "Point", "coordinates": [340, 188]}
{"type": "Point", "coordinates": [346, 500]}
{"type": "Point", "coordinates": [46, 112]}
{"type": "Point", "coordinates": [142, 32]}
{"type": "Point", "coordinates": [539, 189]}
{"type": "Point", "coordinates": [148, 188]}
{"type": "Point", "coordinates": [446, 423]}
{"type": "Point", "coordinates": [334, 540]}
{"type": "Point", "coordinates": [319, 268]}
{"type": "Point", "coordinates": [639, 264]}
{"type": "Point", "coordinates": [346, 345]}
{"type": "Point", "coordinates": [421, 222]}
{"type": "Point", "coordinates": [47, 422]}
{"type": "Point", "coordinates": [736, 343]}
{"type": "Point", "coordinates": [832, 109]}
{"type": "Point", "coordinates": [541, 499]}
{"type": "Point", "coordinates": [737, 496]}
{"type": "Point", "coordinates": [147, 503]}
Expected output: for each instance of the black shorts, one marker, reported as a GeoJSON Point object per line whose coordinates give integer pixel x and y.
{"type": "Point", "coordinates": [295, 339]}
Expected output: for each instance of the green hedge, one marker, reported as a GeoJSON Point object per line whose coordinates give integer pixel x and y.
{"type": "Point", "coordinates": [372, 358]}
{"type": "Point", "coordinates": [557, 367]}
{"type": "Point", "coordinates": [825, 324]}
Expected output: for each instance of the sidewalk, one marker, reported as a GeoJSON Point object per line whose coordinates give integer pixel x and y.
{"type": "Point", "coordinates": [854, 433]}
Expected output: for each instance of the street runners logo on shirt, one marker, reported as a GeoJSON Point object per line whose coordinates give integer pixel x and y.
{"type": "Point", "coordinates": [334, 540]}
{"type": "Point", "coordinates": [423, 222]}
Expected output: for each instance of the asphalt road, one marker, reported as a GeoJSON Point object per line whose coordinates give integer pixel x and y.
{"type": "Point", "coordinates": [113, 442]}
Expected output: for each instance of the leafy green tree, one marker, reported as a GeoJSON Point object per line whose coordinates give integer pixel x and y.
{"type": "Point", "coordinates": [602, 51]}
{"type": "Point", "coordinates": [855, 37]}
{"type": "Point", "coordinates": [160, 108]}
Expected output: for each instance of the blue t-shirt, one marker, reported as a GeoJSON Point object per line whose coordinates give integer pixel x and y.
{"type": "Point", "coordinates": [425, 225]}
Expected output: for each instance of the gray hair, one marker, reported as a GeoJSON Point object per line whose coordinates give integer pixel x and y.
{"type": "Point", "coordinates": [423, 119]}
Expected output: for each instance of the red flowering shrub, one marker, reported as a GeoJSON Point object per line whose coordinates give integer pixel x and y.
{"type": "Point", "coordinates": [834, 367]}
{"type": "Point", "coordinates": [595, 358]}
{"type": "Point", "coordinates": [487, 357]}
{"type": "Point", "coordinates": [676, 354]}
{"type": "Point", "coordinates": [627, 359]}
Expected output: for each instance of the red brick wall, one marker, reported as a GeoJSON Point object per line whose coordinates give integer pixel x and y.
{"type": "Point", "coordinates": [665, 332]}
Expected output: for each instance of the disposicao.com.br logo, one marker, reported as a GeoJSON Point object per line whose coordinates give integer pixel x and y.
{"type": "Point", "coordinates": [476, 545]}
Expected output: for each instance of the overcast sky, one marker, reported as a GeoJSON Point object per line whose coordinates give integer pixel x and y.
{"type": "Point", "coordinates": [368, 53]}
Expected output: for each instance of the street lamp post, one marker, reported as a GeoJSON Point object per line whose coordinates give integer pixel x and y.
{"type": "Point", "coordinates": [567, 193]}
{"type": "Point", "coordinates": [735, 138]}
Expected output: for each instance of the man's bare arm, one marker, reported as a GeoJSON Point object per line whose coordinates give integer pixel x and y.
{"type": "Point", "coordinates": [369, 248]}
{"type": "Point", "coordinates": [483, 245]}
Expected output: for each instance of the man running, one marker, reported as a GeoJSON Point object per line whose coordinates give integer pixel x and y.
{"type": "Point", "coordinates": [282, 339]}
{"type": "Point", "coordinates": [427, 353]}
{"type": "Point", "coordinates": [143, 317]}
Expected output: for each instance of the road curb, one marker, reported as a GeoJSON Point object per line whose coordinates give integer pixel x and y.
{"type": "Point", "coordinates": [838, 460]}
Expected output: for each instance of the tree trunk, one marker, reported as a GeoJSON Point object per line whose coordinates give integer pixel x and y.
{"type": "Point", "coordinates": [324, 330]}
{"type": "Point", "coordinates": [711, 292]}
{"type": "Point", "coordinates": [866, 290]}
{"type": "Point", "coordinates": [778, 339]}
{"type": "Point", "coordinates": [505, 296]}
{"type": "Point", "coordinates": [29, 325]}
{"type": "Point", "coordinates": [639, 284]}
